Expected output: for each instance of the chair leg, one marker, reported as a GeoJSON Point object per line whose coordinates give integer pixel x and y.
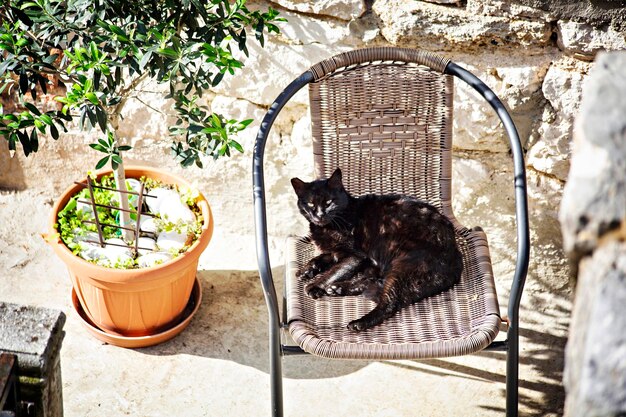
{"type": "Point", "coordinates": [512, 370]}
{"type": "Point", "coordinates": [276, 372]}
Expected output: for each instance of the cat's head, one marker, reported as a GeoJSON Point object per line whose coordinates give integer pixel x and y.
{"type": "Point", "coordinates": [321, 201]}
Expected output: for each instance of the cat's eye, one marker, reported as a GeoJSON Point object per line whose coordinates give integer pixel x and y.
{"type": "Point", "coordinates": [310, 205]}
{"type": "Point", "coordinates": [328, 202]}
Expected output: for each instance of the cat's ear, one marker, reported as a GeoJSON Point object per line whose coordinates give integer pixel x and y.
{"type": "Point", "coordinates": [335, 180]}
{"type": "Point", "coordinates": [298, 186]}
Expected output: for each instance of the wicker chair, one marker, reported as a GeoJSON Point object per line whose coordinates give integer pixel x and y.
{"type": "Point", "coordinates": [384, 116]}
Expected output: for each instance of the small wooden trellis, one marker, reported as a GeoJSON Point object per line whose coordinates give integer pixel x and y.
{"type": "Point", "coordinates": [99, 225]}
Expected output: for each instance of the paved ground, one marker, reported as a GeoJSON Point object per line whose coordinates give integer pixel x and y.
{"type": "Point", "coordinates": [219, 365]}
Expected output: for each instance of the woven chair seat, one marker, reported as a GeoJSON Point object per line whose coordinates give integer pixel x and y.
{"type": "Point", "coordinates": [462, 320]}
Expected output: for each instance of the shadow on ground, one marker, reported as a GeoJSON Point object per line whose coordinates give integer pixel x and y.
{"type": "Point", "coordinates": [231, 325]}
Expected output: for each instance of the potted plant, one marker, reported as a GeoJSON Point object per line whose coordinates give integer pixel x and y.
{"type": "Point", "coordinates": [101, 53]}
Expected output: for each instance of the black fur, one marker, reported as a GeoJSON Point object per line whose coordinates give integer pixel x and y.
{"type": "Point", "coordinates": [392, 248]}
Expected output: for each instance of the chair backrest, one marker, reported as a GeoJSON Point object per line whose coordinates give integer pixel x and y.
{"type": "Point", "coordinates": [384, 116]}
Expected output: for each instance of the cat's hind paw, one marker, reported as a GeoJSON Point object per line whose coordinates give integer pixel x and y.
{"type": "Point", "coordinates": [358, 325]}
{"type": "Point", "coordinates": [334, 290]}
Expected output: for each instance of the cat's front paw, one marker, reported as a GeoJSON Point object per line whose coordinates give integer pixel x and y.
{"type": "Point", "coordinates": [314, 291]}
{"type": "Point", "coordinates": [308, 271]}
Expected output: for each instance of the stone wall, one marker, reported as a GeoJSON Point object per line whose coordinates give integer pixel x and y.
{"type": "Point", "coordinates": [528, 52]}
{"type": "Point", "coordinates": [593, 215]}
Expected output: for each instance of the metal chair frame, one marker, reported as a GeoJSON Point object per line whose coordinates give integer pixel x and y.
{"type": "Point", "coordinates": [276, 324]}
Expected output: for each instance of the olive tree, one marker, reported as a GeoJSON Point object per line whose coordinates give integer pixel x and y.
{"type": "Point", "coordinates": [103, 51]}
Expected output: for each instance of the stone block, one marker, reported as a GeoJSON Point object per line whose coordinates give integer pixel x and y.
{"type": "Point", "coordinates": [345, 10]}
{"type": "Point", "coordinates": [593, 214]}
{"type": "Point", "coordinates": [562, 88]}
{"type": "Point", "coordinates": [436, 27]}
{"type": "Point", "coordinates": [585, 41]}
{"type": "Point", "coordinates": [594, 200]}
{"type": "Point", "coordinates": [595, 370]}
{"type": "Point", "coordinates": [35, 335]}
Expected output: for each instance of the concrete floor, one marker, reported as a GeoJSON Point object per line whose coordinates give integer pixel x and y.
{"type": "Point", "coordinates": [219, 365]}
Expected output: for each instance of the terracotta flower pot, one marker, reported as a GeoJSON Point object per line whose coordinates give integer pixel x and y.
{"type": "Point", "coordinates": [134, 302]}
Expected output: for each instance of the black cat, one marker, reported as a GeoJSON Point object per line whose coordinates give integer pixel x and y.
{"type": "Point", "coordinates": [392, 248]}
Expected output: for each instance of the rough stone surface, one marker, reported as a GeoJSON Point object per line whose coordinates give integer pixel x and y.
{"type": "Point", "coordinates": [423, 25]}
{"type": "Point", "coordinates": [593, 215]}
{"type": "Point", "coordinates": [31, 333]}
{"type": "Point", "coordinates": [35, 335]}
{"type": "Point", "coordinates": [339, 9]}
{"type": "Point", "coordinates": [585, 40]}
{"type": "Point", "coordinates": [507, 8]}
{"type": "Point", "coordinates": [517, 80]}
{"type": "Point", "coordinates": [595, 373]}
{"type": "Point", "coordinates": [562, 88]}
{"type": "Point", "coordinates": [597, 13]}
{"type": "Point", "coordinates": [594, 204]}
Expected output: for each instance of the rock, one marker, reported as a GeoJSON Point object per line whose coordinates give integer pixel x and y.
{"type": "Point", "coordinates": [174, 211]}
{"type": "Point", "coordinates": [507, 8]}
{"type": "Point", "coordinates": [114, 252]}
{"type": "Point", "coordinates": [594, 201]}
{"type": "Point", "coordinates": [85, 207]}
{"type": "Point", "coordinates": [153, 258]}
{"type": "Point", "coordinates": [35, 334]}
{"type": "Point", "coordinates": [145, 245]}
{"type": "Point", "coordinates": [148, 225]}
{"type": "Point", "coordinates": [265, 74]}
{"type": "Point", "coordinates": [86, 239]}
{"type": "Point", "coordinates": [172, 240]}
{"type": "Point", "coordinates": [470, 175]}
{"type": "Point", "coordinates": [157, 196]}
{"type": "Point", "coordinates": [133, 185]}
{"type": "Point", "coordinates": [345, 10]}
{"type": "Point", "coordinates": [433, 27]}
{"type": "Point", "coordinates": [550, 154]}
{"type": "Point", "coordinates": [595, 369]}
{"type": "Point", "coordinates": [593, 221]}
{"type": "Point", "coordinates": [457, 2]}
{"type": "Point", "coordinates": [585, 41]}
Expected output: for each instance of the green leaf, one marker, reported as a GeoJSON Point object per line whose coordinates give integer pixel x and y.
{"type": "Point", "coordinates": [124, 148]}
{"type": "Point", "coordinates": [23, 83]}
{"type": "Point", "coordinates": [236, 145]}
{"type": "Point", "coordinates": [98, 147]}
{"type": "Point", "coordinates": [144, 59]}
{"type": "Point", "coordinates": [167, 52]}
{"type": "Point", "coordinates": [97, 74]}
{"type": "Point", "coordinates": [93, 48]}
{"type": "Point", "coordinates": [50, 58]}
{"type": "Point", "coordinates": [92, 97]}
{"type": "Point", "coordinates": [54, 132]}
{"type": "Point", "coordinates": [217, 79]}
{"type": "Point", "coordinates": [34, 141]}
{"type": "Point", "coordinates": [92, 117]}
{"type": "Point", "coordinates": [25, 141]}
{"type": "Point", "coordinates": [121, 35]}
{"type": "Point", "coordinates": [32, 108]}
{"type": "Point", "coordinates": [244, 123]}
{"type": "Point", "coordinates": [101, 116]}
{"type": "Point", "coordinates": [46, 119]}
{"type": "Point", "coordinates": [101, 163]}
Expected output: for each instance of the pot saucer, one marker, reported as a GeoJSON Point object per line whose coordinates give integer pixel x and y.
{"type": "Point", "coordinates": [142, 341]}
